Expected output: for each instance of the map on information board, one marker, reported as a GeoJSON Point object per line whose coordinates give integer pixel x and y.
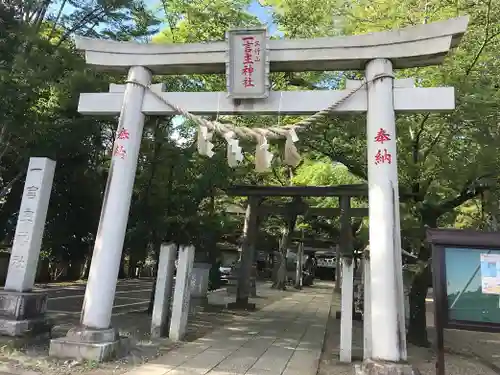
{"type": "Point", "coordinates": [490, 273]}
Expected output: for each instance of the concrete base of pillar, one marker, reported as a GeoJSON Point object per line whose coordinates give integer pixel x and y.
{"type": "Point", "coordinates": [22, 314]}
{"type": "Point", "coordinates": [83, 343]}
{"type": "Point", "coordinates": [25, 328]}
{"type": "Point", "coordinates": [370, 367]}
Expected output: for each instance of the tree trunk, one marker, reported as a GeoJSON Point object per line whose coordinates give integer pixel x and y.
{"type": "Point", "coordinates": [121, 273]}
{"type": "Point", "coordinates": [286, 237]}
{"type": "Point", "coordinates": [74, 269]}
{"type": "Point", "coordinates": [275, 265]}
{"type": "Point", "coordinates": [132, 264]}
{"type": "Point", "coordinates": [417, 332]}
{"type": "Point", "coordinates": [43, 273]}
{"type": "Point", "coordinates": [84, 272]}
{"type": "Point", "coordinates": [282, 271]}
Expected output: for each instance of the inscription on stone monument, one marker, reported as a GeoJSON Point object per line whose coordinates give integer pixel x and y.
{"type": "Point", "coordinates": [30, 225]}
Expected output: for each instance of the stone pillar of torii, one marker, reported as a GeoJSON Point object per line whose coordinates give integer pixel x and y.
{"type": "Point", "coordinates": [247, 65]}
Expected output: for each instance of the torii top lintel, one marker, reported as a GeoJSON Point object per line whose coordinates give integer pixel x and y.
{"type": "Point", "coordinates": [414, 46]}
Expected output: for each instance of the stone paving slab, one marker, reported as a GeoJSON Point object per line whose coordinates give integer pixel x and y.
{"type": "Point", "coordinates": [285, 337]}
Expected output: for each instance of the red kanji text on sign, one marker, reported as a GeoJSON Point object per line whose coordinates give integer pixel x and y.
{"type": "Point", "coordinates": [247, 70]}
{"type": "Point", "coordinates": [257, 51]}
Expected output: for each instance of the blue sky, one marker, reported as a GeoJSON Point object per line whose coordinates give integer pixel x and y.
{"type": "Point", "coordinates": [263, 15]}
{"type": "Point", "coordinates": [255, 8]}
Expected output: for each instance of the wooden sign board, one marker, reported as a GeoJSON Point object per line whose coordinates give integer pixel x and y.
{"type": "Point", "coordinates": [247, 65]}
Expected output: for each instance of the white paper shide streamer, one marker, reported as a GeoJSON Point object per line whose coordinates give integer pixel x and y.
{"type": "Point", "coordinates": [263, 157]}
{"type": "Point", "coordinates": [292, 156]}
{"type": "Point", "coordinates": [234, 154]}
{"type": "Point", "coordinates": [205, 146]}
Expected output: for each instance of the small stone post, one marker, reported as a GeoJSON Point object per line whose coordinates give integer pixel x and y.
{"type": "Point", "coordinates": [22, 311]}
{"type": "Point", "coordinates": [347, 293]}
{"type": "Point", "coordinates": [338, 271]}
{"type": "Point", "coordinates": [182, 293]}
{"type": "Point", "coordinates": [367, 308]}
{"type": "Point", "coordinates": [298, 265]}
{"type": "Point", "coordinates": [163, 290]}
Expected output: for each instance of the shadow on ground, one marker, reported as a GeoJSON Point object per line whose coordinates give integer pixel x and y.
{"type": "Point", "coordinates": [468, 353]}
{"type": "Point", "coordinates": [135, 325]}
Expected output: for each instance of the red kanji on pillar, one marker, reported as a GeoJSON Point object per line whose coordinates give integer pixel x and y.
{"type": "Point", "coordinates": [382, 158]}
{"type": "Point", "coordinates": [382, 136]}
{"type": "Point", "coordinates": [123, 134]}
{"type": "Point", "coordinates": [120, 151]}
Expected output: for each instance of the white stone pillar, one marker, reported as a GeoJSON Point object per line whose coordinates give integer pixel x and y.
{"type": "Point", "coordinates": [338, 271]}
{"type": "Point", "coordinates": [346, 309]}
{"type": "Point", "coordinates": [382, 192]}
{"type": "Point", "coordinates": [367, 310]}
{"type": "Point", "coordinates": [30, 225]}
{"type": "Point", "coordinates": [298, 266]}
{"type": "Point", "coordinates": [182, 293]}
{"type": "Point", "coordinates": [398, 259]}
{"type": "Point", "coordinates": [163, 289]}
{"type": "Point", "coordinates": [101, 285]}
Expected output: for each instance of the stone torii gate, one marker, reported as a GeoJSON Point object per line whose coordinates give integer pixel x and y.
{"type": "Point", "coordinates": [377, 53]}
{"type": "Point", "coordinates": [258, 207]}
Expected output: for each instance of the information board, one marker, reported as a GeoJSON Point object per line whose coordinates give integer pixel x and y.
{"type": "Point", "coordinates": [490, 273]}
{"type": "Point", "coordinates": [473, 284]}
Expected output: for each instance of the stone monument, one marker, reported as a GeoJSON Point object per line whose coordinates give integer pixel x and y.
{"type": "Point", "coordinates": [22, 310]}
{"type": "Point", "coordinates": [163, 290]}
{"type": "Point", "coordinates": [182, 293]}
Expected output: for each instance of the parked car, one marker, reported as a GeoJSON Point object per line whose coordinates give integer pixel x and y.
{"type": "Point", "coordinates": [225, 272]}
